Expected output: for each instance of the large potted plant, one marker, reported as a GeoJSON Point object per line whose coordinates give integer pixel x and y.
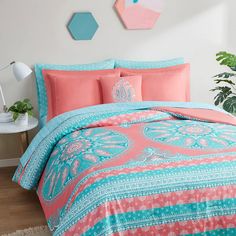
{"type": "Point", "coordinates": [226, 83]}
{"type": "Point", "coordinates": [21, 110]}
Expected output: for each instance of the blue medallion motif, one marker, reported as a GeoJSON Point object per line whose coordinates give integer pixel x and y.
{"type": "Point", "coordinates": [76, 153]}
{"type": "Point", "coordinates": [192, 134]}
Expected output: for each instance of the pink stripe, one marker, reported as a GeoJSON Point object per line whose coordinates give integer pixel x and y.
{"type": "Point", "coordinates": [127, 118]}
{"type": "Point", "coordinates": [139, 169]}
{"type": "Point", "coordinates": [150, 202]}
{"type": "Point", "coordinates": [138, 145]}
{"type": "Point", "coordinates": [50, 208]}
{"type": "Point", "coordinates": [185, 227]}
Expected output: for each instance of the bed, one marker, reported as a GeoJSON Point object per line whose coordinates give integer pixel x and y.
{"type": "Point", "coordinates": [148, 163]}
{"type": "Point", "coordinates": [145, 168]}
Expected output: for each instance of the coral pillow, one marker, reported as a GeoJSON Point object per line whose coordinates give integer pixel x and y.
{"type": "Point", "coordinates": [41, 89]}
{"type": "Point", "coordinates": [70, 90]}
{"type": "Point", "coordinates": [121, 89]}
{"type": "Point", "coordinates": [166, 84]}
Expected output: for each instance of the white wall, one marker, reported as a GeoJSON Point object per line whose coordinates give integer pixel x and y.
{"type": "Point", "coordinates": [35, 31]}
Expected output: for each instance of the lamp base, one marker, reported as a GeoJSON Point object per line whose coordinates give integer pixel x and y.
{"type": "Point", "coordinates": [6, 117]}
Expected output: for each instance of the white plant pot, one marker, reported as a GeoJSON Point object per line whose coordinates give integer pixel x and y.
{"type": "Point", "coordinates": [23, 119]}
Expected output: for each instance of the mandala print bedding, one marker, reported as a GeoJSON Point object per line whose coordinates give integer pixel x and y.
{"type": "Point", "coordinates": [136, 169]}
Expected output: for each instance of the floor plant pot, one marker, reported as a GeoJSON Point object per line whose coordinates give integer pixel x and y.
{"type": "Point", "coordinates": [22, 120]}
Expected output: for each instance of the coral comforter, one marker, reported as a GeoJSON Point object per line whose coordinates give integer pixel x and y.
{"type": "Point", "coordinates": [136, 169]}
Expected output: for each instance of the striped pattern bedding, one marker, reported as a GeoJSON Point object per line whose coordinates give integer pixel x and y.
{"type": "Point", "coordinates": [136, 169]}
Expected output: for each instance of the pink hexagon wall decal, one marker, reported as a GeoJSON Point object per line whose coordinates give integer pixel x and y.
{"type": "Point", "coordinates": [138, 14]}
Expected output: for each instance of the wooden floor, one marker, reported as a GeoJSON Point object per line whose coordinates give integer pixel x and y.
{"type": "Point", "coordinates": [19, 209]}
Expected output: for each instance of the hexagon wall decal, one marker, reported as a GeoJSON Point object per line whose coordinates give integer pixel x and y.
{"type": "Point", "coordinates": [138, 14]}
{"type": "Point", "coordinates": [82, 26]}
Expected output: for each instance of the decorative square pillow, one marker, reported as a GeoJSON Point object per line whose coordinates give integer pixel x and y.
{"type": "Point", "coordinates": [165, 84]}
{"type": "Point", "coordinates": [41, 89]}
{"type": "Point", "coordinates": [148, 64]}
{"type": "Point", "coordinates": [121, 89]}
{"type": "Point", "coordinates": [70, 90]}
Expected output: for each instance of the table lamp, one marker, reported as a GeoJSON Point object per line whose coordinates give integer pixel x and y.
{"type": "Point", "coordinates": [21, 72]}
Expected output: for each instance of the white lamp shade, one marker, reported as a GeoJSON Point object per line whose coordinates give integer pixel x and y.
{"type": "Point", "coordinates": [21, 71]}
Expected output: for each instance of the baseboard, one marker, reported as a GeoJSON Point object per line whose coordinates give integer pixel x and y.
{"type": "Point", "coordinates": [13, 161]}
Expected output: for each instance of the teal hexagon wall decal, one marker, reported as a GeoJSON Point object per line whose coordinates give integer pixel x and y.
{"type": "Point", "coordinates": [82, 26]}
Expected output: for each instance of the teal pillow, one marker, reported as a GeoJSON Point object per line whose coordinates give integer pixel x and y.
{"type": "Point", "coordinates": [148, 64]}
{"type": "Point", "coordinates": [41, 89]}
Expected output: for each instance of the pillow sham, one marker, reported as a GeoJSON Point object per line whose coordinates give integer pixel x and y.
{"type": "Point", "coordinates": [41, 90]}
{"type": "Point", "coordinates": [148, 64]}
{"type": "Point", "coordinates": [121, 89]}
{"type": "Point", "coordinates": [165, 84]}
{"type": "Point", "coordinates": [70, 90]}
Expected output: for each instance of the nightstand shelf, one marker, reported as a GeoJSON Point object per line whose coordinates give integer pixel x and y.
{"type": "Point", "coordinates": [12, 128]}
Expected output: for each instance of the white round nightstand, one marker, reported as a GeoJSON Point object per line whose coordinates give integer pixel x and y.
{"type": "Point", "coordinates": [12, 128]}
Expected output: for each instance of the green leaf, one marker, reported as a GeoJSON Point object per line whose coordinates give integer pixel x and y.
{"type": "Point", "coordinates": [222, 95]}
{"type": "Point", "coordinates": [230, 105]}
{"type": "Point", "coordinates": [226, 59]}
{"type": "Point", "coordinates": [12, 109]}
{"type": "Point", "coordinates": [15, 116]}
{"type": "Point", "coordinates": [29, 107]}
{"type": "Point", "coordinates": [21, 107]}
{"type": "Point", "coordinates": [225, 81]}
{"type": "Point", "coordinates": [225, 75]}
{"type": "Point", "coordinates": [30, 113]}
{"type": "Point", "coordinates": [224, 89]}
{"type": "Point", "coordinates": [218, 100]}
{"type": "Point", "coordinates": [26, 100]}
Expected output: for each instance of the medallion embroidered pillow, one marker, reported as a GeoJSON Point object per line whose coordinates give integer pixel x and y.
{"type": "Point", "coordinates": [121, 89]}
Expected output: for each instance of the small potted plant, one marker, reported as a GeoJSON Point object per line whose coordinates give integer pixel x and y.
{"type": "Point", "coordinates": [21, 110]}
{"type": "Point", "coordinates": [226, 83]}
